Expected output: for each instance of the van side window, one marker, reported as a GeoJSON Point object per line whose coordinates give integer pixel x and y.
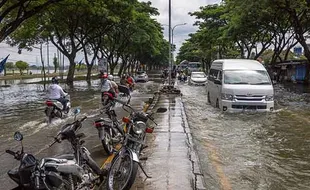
{"type": "Point", "coordinates": [213, 74]}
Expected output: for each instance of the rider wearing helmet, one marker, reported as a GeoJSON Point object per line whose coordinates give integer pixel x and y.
{"type": "Point", "coordinates": [55, 92]}
{"type": "Point", "coordinates": [123, 80]}
{"type": "Point", "coordinates": [106, 85]}
{"type": "Point", "coordinates": [114, 85]}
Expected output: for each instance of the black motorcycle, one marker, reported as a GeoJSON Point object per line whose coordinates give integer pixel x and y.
{"type": "Point", "coordinates": [125, 163]}
{"type": "Point", "coordinates": [81, 153]}
{"type": "Point", "coordinates": [46, 174]}
{"type": "Point", "coordinates": [108, 127]}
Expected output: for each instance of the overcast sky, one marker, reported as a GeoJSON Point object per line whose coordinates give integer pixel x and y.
{"type": "Point", "coordinates": [180, 10]}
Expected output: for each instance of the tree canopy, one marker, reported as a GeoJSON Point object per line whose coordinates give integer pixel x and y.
{"type": "Point", "coordinates": [123, 32]}
{"type": "Point", "coordinates": [247, 29]}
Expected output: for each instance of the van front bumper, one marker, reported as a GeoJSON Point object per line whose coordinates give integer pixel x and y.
{"type": "Point", "coordinates": [237, 106]}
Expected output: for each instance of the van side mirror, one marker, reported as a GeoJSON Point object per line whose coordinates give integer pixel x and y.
{"type": "Point", "coordinates": [217, 81]}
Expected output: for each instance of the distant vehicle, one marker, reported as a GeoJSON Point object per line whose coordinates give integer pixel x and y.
{"type": "Point", "coordinates": [189, 67]}
{"type": "Point", "coordinates": [198, 78]}
{"type": "Point", "coordinates": [141, 76]}
{"type": "Point", "coordinates": [240, 84]}
{"type": "Point", "coordinates": [194, 67]}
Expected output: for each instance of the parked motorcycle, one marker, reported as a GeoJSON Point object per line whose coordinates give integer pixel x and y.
{"type": "Point", "coordinates": [81, 154]}
{"type": "Point", "coordinates": [46, 174]}
{"type": "Point", "coordinates": [54, 109]}
{"type": "Point", "coordinates": [109, 128]}
{"type": "Point", "coordinates": [124, 166]}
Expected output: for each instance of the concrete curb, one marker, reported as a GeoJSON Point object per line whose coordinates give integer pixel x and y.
{"type": "Point", "coordinates": [198, 181]}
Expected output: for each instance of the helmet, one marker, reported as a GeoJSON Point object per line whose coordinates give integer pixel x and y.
{"type": "Point", "coordinates": [54, 80]}
{"type": "Point", "coordinates": [105, 75]}
{"type": "Point", "coordinates": [110, 77]}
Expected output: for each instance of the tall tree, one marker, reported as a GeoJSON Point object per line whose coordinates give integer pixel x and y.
{"type": "Point", "coordinates": [15, 12]}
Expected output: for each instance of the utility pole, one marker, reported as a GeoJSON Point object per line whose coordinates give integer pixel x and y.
{"type": "Point", "coordinates": [48, 59]}
{"type": "Point", "coordinates": [170, 61]}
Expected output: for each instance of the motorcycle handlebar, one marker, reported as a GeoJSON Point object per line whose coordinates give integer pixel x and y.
{"type": "Point", "coordinates": [83, 119]}
{"type": "Point", "coordinates": [10, 152]}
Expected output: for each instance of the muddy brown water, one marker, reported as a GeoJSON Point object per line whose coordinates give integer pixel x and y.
{"type": "Point", "coordinates": [22, 110]}
{"type": "Point", "coordinates": [252, 150]}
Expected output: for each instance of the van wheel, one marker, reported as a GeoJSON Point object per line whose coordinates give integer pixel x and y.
{"type": "Point", "coordinates": [217, 105]}
{"type": "Point", "coordinates": [209, 101]}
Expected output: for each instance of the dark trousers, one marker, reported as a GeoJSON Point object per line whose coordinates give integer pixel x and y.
{"type": "Point", "coordinates": [63, 101]}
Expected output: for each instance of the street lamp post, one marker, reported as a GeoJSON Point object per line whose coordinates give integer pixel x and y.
{"type": "Point", "coordinates": [172, 38]}
{"type": "Point", "coordinates": [171, 51]}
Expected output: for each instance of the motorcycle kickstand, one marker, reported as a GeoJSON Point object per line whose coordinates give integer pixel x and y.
{"type": "Point", "coordinates": [147, 176]}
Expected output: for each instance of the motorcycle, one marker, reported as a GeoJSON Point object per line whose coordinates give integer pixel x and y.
{"type": "Point", "coordinates": [46, 174]}
{"type": "Point", "coordinates": [124, 166]}
{"type": "Point", "coordinates": [81, 154]}
{"type": "Point", "coordinates": [54, 109]}
{"type": "Point", "coordinates": [182, 77]}
{"type": "Point", "coordinates": [109, 129]}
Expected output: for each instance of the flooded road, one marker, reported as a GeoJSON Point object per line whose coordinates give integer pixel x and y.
{"type": "Point", "coordinates": [251, 150]}
{"type": "Point", "coordinates": [22, 109]}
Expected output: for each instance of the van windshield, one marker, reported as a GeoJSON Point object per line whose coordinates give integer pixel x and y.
{"type": "Point", "coordinates": [252, 77]}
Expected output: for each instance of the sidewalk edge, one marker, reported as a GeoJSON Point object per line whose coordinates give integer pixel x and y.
{"type": "Point", "coordinates": [198, 180]}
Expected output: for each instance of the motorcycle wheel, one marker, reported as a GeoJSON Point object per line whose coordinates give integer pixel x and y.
{"type": "Point", "coordinates": [107, 143]}
{"type": "Point", "coordinates": [122, 173]}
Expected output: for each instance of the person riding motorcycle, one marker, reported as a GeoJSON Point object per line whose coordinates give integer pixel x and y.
{"type": "Point", "coordinates": [106, 86]}
{"type": "Point", "coordinates": [114, 85]}
{"type": "Point", "coordinates": [55, 92]}
{"type": "Point", "coordinates": [131, 82]}
{"type": "Point", "coordinates": [123, 80]}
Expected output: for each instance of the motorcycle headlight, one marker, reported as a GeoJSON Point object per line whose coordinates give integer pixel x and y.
{"type": "Point", "coordinates": [139, 127]}
{"type": "Point", "coordinates": [269, 98]}
{"type": "Point", "coordinates": [227, 96]}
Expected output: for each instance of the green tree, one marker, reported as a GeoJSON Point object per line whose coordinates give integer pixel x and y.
{"type": "Point", "coordinates": [15, 12]}
{"type": "Point", "coordinates": [21, 65]}
{"type": "Point", "coordinates": [9, 65]}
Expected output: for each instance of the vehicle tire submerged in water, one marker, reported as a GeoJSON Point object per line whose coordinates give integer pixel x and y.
{"type": "Point", "coordinates": [217, 105]}
{"type": "Point", "coordinates": [122, 173]}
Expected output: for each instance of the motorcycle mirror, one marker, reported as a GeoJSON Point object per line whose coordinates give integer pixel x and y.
{"type": "Point", "coordinates": [18, 136]}
{"type": "Point", "coordinates": [76, 111]}
{"type": "Point", "coordinates": [161, 110]}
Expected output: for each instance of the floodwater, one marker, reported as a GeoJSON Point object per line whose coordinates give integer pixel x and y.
{"type": "Point", "coordinates": [22, 109]}
{"type": "Point", "coordinates": [252, 150]}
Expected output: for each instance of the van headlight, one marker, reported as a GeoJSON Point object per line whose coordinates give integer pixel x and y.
{"type": "Point", "coordinates": [269, 98]}
{"type": "Point", "coordinates": [139, 127]}
{"type": "Point", "coordinates": [227, 97]}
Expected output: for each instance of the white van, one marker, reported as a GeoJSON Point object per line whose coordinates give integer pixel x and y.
{"type": "Point", "coordinates": [240, 84]}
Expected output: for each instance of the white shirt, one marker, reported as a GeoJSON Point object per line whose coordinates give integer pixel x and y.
{"type": "Point", "coordinates": [55, 92]}
{"type": "Point", "coordinates": [106, 85]}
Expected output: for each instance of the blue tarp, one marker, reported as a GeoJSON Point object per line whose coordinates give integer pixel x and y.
{"type": "Point", "coordinates": [300, 72]}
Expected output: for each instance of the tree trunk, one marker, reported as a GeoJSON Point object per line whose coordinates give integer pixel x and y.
{"type": "Point", "coordinates": [121, 68]}
{"type": "Point", "coordinates": [88, 76]}
{"type": "Point", "coordinates": [43, 67]}
{"type": "Point", "coordinates": [70, 76]}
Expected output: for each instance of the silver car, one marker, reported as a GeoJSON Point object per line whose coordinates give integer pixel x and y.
{"type": "Point", "coordinates": [198, 78]}
{"type": "Point", "coordinates": [141, 76]}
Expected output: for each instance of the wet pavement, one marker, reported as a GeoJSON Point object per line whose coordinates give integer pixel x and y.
{"type": "Point", "coordinates": [172, 162]}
